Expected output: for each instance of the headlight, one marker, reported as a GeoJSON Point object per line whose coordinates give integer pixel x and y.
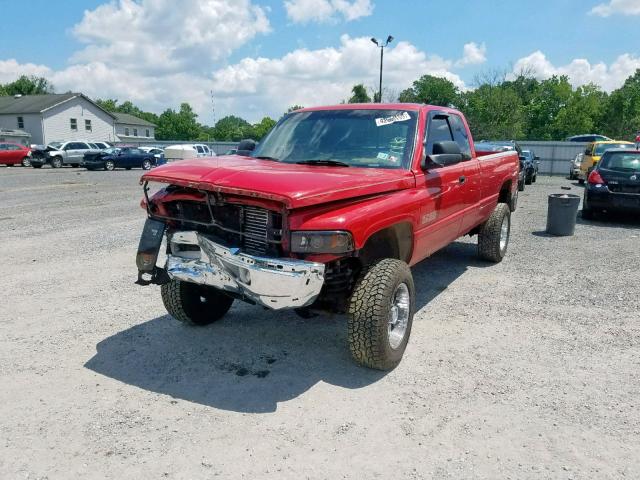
{"type": "Point", "coordinates": [321, 242]}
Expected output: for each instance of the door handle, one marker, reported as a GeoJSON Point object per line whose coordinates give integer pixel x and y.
{"type": "Point", "coordinates": [462, 179]}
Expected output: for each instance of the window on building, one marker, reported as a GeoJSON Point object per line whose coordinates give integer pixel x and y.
{"type": "Point", "coordinates": [21, 122]}
{"type": "Point", "coordinates": [73, 123]}
{"type": "Point", "coordinates": [87, 125]}
{"type": "Point", "coordinates": [146, 133]}
{"type": "Point", "coordinates": [126, 131]}
{"type": "Point", "coordinates": [135, 132]}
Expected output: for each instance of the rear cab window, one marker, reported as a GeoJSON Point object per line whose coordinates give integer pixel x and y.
{"type": "Point", "coordinates": [622, 161]}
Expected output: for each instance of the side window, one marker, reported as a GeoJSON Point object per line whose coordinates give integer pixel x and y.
{"type": "Point", "coordinates": [126, 131]}
{"type": "Point", "coordinates": [588, 150]}
{"type": "Point", "coordinates": [20, 123]}
{"type": "Point", "coordinates": [73, 123]}
{"type": "Point", "coordinates": [438, 131]}
{"type": "Point", "coordinates": [146, 132]}
{"type": "Point", "coordinates": [87, 125]}
{"type": "Point", "coordinates": [199, 149]}
{"type": "Point", "coordinates": [3, 146]}
{"type": "Point", "coordinates": [135, 151]}
{"type": "Point", "coordinates": [83, 146]}
{"type": "Point", "coordinates": [135, 132]}
{"type": "Point", "coordinates": [460, 135]}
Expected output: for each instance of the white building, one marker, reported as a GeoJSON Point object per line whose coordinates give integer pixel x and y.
{"type": "Point", "coordinates": [130, 128]}
{"type": "Point", "coordinates": [57, 117]}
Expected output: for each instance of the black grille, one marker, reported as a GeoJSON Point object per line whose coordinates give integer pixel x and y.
{"type": "Point", "coordinates": [257, 231]}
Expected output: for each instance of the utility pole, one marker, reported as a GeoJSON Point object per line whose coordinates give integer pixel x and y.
{"type": "Point", "coordinates": [381, 45]}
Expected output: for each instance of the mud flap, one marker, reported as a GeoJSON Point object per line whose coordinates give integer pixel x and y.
{"type": "Point", "coordinates": [147, 255]}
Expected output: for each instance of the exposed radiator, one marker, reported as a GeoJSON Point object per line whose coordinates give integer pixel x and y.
{"type": "Point", "coordinates": [255, 227]}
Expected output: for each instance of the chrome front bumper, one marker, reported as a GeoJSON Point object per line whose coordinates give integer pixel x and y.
{"type": "Point", "coordinates": [275, 283]}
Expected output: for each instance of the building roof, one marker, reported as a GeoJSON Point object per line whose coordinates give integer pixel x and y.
{"type": "Point", "coordinates": [127, 119]}
{"type": "Point", "coordinates": [22, 104]}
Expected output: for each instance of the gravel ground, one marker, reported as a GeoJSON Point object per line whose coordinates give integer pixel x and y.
{"type": "Point", "coordinates": [526, 369]}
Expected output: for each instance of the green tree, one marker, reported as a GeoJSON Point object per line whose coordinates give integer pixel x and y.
{"type": "Point", "coordinates": [581, 114]}
{"type": "Point", "coordinates": [27, 85]}
{"type": "Point", "coordinates": [621, 116]}
{"type": "Point", "coordinates": [180, 125]}
{"type": "Point", "coordinates": [232, 129]}
{"type": "Point", "coordinates": [494, 112]}
{"type": "Point", "coordinates": [431, 90]}
{"type": "Point", "coordinates": [263, 127]}
{"type": "Point", "coordinates": [359, 94]}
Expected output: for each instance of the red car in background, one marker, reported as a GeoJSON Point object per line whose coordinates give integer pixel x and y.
{"type": "Point", "coordinates": [15, 154]}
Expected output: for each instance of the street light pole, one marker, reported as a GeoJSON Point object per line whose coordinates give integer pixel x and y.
{"type": "Point", "coordinates": [382, 46]}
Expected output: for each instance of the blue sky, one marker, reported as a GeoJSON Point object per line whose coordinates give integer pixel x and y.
{"type": "Point", "coordinates": [76, 51]}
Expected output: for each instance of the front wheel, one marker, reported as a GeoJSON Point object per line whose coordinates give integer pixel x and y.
{"type": "Point", "coordinates": [146, 165]}
{"type": "Point", "coordinates": [109, 165]}
{"type": "Point", "coordinates": [56, 162]}
{"type": "Point", "coordinates": [493, 238]}
{"type": "Point", "coordinates": [26, 162]}
{"type": "Point", "coordinates": [194, 304]}
{"type": "Point", "coordinates": [381, 312]}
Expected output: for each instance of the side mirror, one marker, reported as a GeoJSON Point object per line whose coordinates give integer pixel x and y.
{"type": "Point", "coordinates": [245, 147]}
{"type": "Point", "coordinates": [444, 154]}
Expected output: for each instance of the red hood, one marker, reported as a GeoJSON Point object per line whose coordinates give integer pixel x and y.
{"type": "Point", "coordinates": [294, 185]}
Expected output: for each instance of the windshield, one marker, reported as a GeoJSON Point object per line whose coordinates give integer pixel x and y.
{"type": "Point", "coordinates": [111, 151]}
{"type": "Point", "coordinates": [622, 161]}
{"type": "Point", "coordinates": [55, 145]}
{"type": "Point", "coordinates": [355, 138]}
{"type": "Point", "coordinates": [603, 147]}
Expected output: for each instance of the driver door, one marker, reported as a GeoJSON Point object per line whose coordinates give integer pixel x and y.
{"type": "Point", "coordinates": [443, 202]}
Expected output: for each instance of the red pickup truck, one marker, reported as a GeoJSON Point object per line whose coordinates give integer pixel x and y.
{"type": "Point", "coordinates": [327, 214]}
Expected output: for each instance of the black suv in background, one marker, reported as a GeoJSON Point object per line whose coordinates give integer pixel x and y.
{"type": "Point", "coordinates": [505, 146]}
{"type": "Point", "coordinates": [531, 164]}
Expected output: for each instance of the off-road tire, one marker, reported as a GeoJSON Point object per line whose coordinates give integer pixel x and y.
{"type": "Point", "coordinates": [489, 245]}
{"type": "Point", "coordinates": [194, 304]}
{"type": "Point", "coordinates": [26, 162]}
{"type": "Point", "coordinates": [369, 311]}
{"type": "Point", "coordinates": [56, 162]}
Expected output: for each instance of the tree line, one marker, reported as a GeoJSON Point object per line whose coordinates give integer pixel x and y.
{"type": "Point", "coordinates": [519, 108]}
{"type": "Point", "coordinates": [524, 108]}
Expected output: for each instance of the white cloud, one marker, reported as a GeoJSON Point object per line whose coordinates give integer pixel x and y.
{"type": "Point", "coordinates": [473, 54]}
{"type": "Point", "coordinates": [323, 76]}
{"type": "Point", "coordinates": [164, 36]}
{"type": "Point", "coordinates": [304, 11]}
{"type": "Point", "coordinates": [10, 70]}
{"type": "Point", "coordinates": [580, 71]}
{"type": "Point", "coordinates": [623, 7]}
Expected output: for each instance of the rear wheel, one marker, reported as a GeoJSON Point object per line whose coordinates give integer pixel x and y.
{"type": "Point", "coordinates": [381, 312]}
{"type": "Point", "coordinates": [535, 177]}
{"type": "Point", "coordinates": [26, 162]}
{"type": "Point", "coordinates": [146, 164]}
{"type": "Point", "coordinates": [521, 185]}
{"type": "Point", "coordinates": [528, 179]}
{"type": "Point", "coordinates": [194, 304]}
{"type": "Point", "coordinates": [109, 165]}
{"type": "Point", "coordinates": [56, 162]}
{"type": "Point", "coordinates": [493, 238]}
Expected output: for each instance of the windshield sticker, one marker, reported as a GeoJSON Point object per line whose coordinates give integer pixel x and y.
{"type": "Point", "coordinates": [400, 117]}
{"type": "Point", "coordinates": [383, 156]}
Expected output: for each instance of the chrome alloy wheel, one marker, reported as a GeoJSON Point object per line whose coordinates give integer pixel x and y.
{"type": "Point", "coordinates": [399, 316]}
{"type": "Point", "coordinates": [504, 233]}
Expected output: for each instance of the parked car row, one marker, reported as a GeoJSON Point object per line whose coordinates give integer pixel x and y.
{"type": "Point", "coordinates": [126, 157]}
{"type": "Point", "coordinates": [529, 161]}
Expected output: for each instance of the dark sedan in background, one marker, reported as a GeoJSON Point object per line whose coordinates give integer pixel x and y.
{"type": "Point", "coordinates": [613, 184]}
{"type": "Point", "coordinates": [126, 157]}
{"type": "Point", "coordinates": [531, 166]}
